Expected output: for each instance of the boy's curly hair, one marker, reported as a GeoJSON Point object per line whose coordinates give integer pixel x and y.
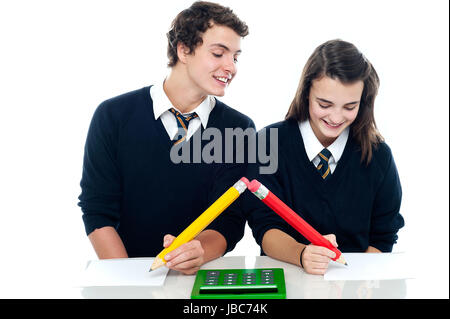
{"type": "Point", "coordinates": [191, 23]}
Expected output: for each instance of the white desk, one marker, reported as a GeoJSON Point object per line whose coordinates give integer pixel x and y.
{"type": "Point", "coordinates": [299, 285]}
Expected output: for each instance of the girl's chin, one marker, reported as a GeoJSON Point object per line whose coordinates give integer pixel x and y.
{"type": "Point", "coordinates": [327, 131]}
{"type": "Point", "coordinates": [330, 135]}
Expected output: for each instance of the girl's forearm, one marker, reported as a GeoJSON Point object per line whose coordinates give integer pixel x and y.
{"type": "Point", "coordinates": [279, 245]}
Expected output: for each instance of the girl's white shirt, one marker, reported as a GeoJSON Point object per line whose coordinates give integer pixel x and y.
{"type": "Point", "coordinates": [313, 147]}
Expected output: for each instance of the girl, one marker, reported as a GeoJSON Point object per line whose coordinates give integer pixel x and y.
{"type": "Point", "coordinates": [335, 170]}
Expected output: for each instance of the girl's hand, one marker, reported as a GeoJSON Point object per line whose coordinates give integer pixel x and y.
{"type": "Point", "coordinates": [315, 259]}
{"type": "Point", "coordinates": [187, 258]}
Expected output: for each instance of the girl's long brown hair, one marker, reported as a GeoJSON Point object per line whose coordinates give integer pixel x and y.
{"type": "Point", "coordinates": [342, 61]}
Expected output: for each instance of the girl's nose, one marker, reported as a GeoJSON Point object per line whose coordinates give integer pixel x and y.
{"type": "Point", "coordinates": [336, 117]}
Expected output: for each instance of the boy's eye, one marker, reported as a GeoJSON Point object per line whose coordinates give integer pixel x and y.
{"type": "Point", "coordinates": [219, 55]}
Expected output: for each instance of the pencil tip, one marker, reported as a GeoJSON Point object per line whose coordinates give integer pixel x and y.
{"type": "Point", "coordinates": [346, 264]}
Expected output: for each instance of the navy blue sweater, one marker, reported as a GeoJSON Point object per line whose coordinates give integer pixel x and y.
{"type": "Point", "coordinates": [359, 203]}
{"type": "Point", "coordinates": [130, 183]}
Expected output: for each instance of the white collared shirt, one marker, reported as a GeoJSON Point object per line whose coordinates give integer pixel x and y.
{"type": "Point", "coordinates": [313, 147]}
{"type": "Point", "coordinates": [162, 105]}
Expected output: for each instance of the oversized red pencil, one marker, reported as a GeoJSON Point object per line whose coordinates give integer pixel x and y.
{"type": "Point", "coordinates": [292, 218]}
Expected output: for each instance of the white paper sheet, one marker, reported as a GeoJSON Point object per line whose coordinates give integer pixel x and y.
{"type": "Point", "coordinates": [123, 272]}
{"type": "Point", "coordinates": [372, 266]}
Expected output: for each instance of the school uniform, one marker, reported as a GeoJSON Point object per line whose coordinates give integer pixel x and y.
{"type": "Point", "coordinates": [130, 182]}
{"type": "Point", "coordinates": [358, 203]}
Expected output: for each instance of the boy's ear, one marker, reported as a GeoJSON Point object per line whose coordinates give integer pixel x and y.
{"type": "Point", "coordinates": [182, 52]}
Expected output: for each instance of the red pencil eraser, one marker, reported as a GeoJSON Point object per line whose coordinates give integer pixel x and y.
{"type": "Point", "coordinates": [253, 185]}
{"type": "Point", "coordinates": [245, 180]}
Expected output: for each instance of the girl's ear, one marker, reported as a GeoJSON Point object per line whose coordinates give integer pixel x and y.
{"type": "Point", "coordinates": [182, 52]}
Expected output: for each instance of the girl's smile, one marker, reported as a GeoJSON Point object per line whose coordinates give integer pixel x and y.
{"type": "Point", "coordinates": [333, 106]}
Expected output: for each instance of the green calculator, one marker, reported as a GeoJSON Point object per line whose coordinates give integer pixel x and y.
{"type": "Point", "coordinates": [264, 283]}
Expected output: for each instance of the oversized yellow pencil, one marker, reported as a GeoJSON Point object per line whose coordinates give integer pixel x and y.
{"type": "Point", "coordinates": [203, 220]}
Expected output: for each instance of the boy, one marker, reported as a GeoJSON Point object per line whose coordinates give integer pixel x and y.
{"type": "Point", "coordinates": [132, 191]}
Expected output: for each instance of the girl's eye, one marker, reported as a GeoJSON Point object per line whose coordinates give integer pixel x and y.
{"type": "Point", "coordinates": [351, 108]}
{"type": "Point", "coordinates": [324, 106]}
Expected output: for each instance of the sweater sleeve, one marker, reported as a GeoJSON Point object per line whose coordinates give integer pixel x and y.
{"type": "Point", "coordinates": [231, 223]}
{"type": "Point", "coordinates": [259, 216]}
{"type": "Point", "coordinates": [386, 219]}
{"type": "Point", "coordinates": [100, 183]}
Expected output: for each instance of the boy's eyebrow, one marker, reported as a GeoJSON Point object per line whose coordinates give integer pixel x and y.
{"type": "Point", "coordinates": [326, 101]}
{"type": "Point", "coordinates": [223, 46]}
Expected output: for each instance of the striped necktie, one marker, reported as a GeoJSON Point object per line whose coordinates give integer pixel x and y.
{"type": "Point", "coordinates": [183, 124]}
{"type": "Point", "coordinates": [323, 167]}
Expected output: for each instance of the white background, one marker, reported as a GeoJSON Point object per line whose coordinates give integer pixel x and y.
{"type": "Point", "coordinates": [60, 59]}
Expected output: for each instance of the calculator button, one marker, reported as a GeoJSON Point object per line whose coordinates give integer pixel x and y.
{"type": "Point", "coordinates": [211, 279]}
{"type": "Point", "coordinates": [230, 279]}
{"type": "Point", "coordinates": [213, 273]}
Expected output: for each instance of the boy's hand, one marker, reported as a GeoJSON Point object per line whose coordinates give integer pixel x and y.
{"type": "Point", "coordinates": [187, 258]}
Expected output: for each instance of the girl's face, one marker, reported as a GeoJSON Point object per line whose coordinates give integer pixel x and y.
{"type": "Point", "coordinates": [212, 66]}
{"type": "Point", "coordinates": [333, 106]}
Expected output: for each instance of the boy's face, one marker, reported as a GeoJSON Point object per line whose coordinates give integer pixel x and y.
{"type": "Point", "coordinates": [212, 65]}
